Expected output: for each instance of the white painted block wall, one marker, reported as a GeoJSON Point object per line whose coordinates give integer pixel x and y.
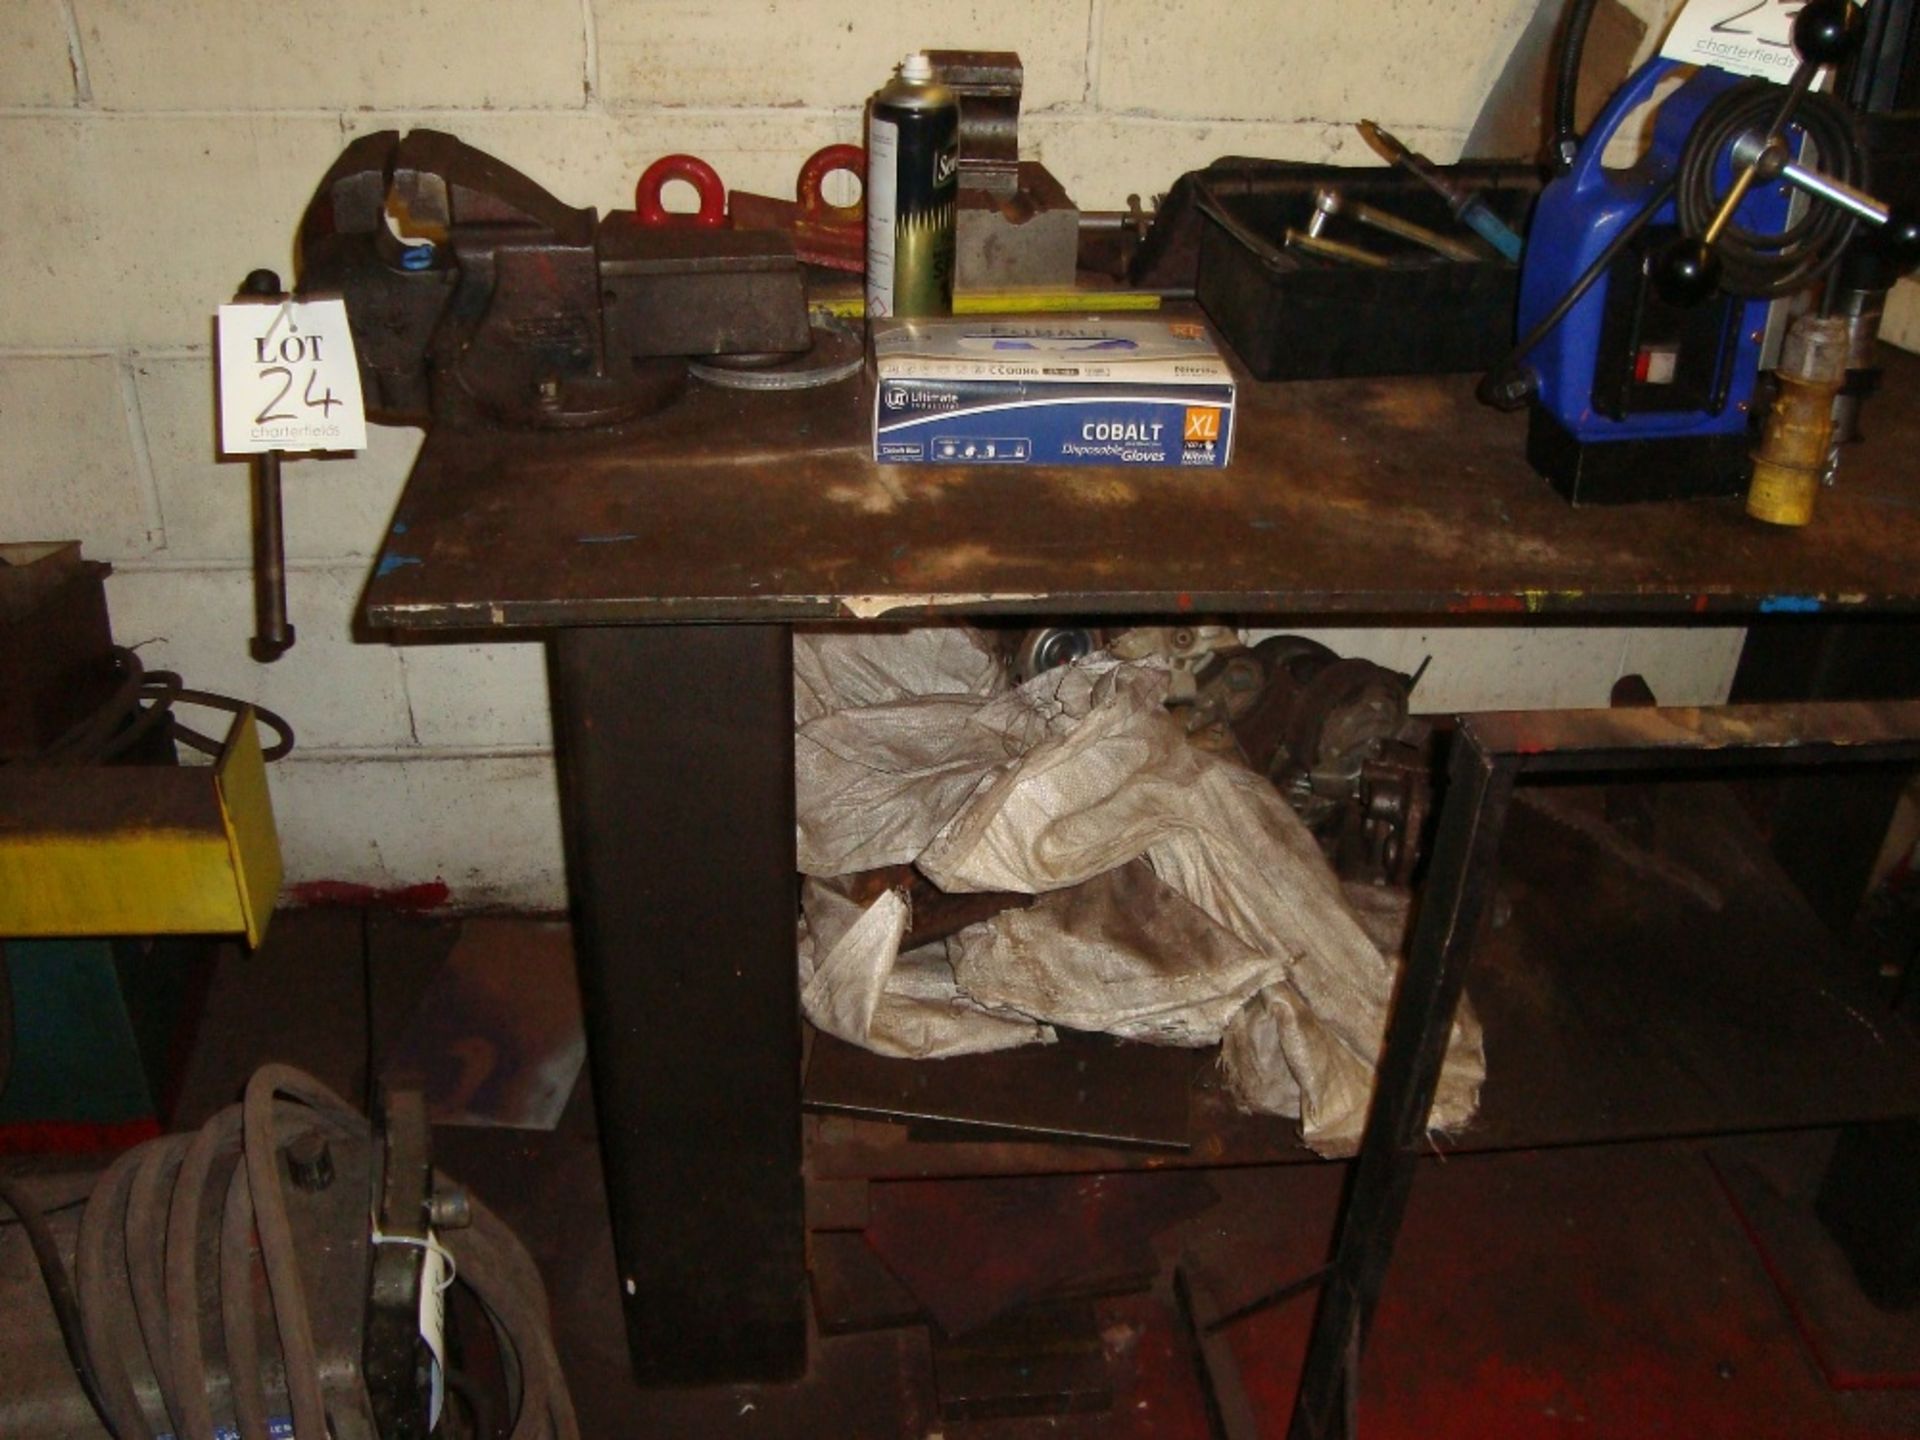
{"type": "Point", "coordinates": [151, 154]}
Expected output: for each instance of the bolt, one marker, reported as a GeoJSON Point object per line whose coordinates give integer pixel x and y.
{"type": "Point", "coordinates": [310, 1162]}
{"type": "Point", "coordinates": [1243, 676]}
{"type": "Point", "coordinates": [450, 1208]}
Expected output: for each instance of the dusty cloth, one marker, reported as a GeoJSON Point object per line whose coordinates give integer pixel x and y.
{"type": "Point", "coordinates": [1240, 934]}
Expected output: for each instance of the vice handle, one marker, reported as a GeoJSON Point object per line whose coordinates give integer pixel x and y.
{"type": "Point", "coordinates": [273, 633]}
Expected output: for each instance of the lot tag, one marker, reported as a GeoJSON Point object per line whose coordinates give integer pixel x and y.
{"type": "Point", "coordinates": [1745, 37]}
{"type": "Point", "coordinates": [288, 378]}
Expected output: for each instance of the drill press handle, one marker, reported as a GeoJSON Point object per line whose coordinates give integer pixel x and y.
{"type": "Point", "coordinates": [1690, 270]}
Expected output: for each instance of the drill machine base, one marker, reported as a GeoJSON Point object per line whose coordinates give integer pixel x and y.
{"type": "Point", "coordinates": [1624, 472]}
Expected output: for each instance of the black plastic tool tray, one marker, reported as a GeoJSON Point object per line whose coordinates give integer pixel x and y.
{"type": "Point", "coordinates": [1293, 316]}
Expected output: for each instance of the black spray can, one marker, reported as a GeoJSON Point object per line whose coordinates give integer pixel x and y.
{"type": "Point", "coordinates": [913, 181]}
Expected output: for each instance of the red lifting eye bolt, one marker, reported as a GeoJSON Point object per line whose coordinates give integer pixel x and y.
{"type": "Point", "coordinates": [821, 164]}
{"type": "Point", "coordinates": [712, 214]}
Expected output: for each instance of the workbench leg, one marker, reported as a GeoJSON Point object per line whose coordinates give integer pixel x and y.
{"type": "Point", "coordinates": [675, 749]}
{"type": "Point", "coordinates": [1460, 881]}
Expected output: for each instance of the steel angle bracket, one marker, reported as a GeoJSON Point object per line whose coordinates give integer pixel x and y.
{"type": "Point", "coordinates": [1492, 753]}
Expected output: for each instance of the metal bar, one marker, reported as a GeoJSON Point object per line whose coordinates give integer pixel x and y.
{"type": "Point", "coordinates": [273, 635]}
{"type": "Point", "coordinates": [1835, 192]}
{"type": "Point", "coordinates": [1787, 733]}
{"type": "Point", "coordinates": [1419, 234]}
{"type": "Point", "coordinates": [1459, 883]}
{"type": "Point", "coordinates": [1328, 202]}
{"type": "Point", "coordinates": [1751, 150]}
{"type": "Point", "coordinates": [1312, 1280]}
{"type": "Point", "coordinates": [1229, 1413]}
{"type": "Point", "coordinates": [1335, 250]}
{"type": "Point", "coordinates": [675, 749]}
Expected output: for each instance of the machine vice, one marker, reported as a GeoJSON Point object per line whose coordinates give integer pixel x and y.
{"type": "Point", "coordinates": [474, 295]}
{"type": "Point", "coordinates": [471, 290]}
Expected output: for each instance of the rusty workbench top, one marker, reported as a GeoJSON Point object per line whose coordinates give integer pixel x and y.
{"type": "Point", "coordinates": [1389, 498]}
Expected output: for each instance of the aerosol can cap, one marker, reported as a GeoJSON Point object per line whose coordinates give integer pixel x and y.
{"type": "Point", "coordinates": [916, 69]}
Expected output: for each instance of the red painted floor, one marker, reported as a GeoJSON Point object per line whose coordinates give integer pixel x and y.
{"type": "Point", "coordinates": [1601, 1292]}
{"type": "Point", "coordinates": [1595, 1293]}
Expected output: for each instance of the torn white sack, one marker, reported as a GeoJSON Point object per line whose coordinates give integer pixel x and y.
{"type": "Point", "coordinates": [1123, 953]}
{"type": "Point", "coordinates": [846, 669]}
{"type": "Point", "coordinates": [856, 985]}
{"type": "Point", "coordinates": [1065, 781]}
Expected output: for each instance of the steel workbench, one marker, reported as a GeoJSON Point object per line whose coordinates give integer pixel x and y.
{"type": "Point", "coordinates": [666, 561]}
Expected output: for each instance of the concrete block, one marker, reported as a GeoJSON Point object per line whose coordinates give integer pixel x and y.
{"type": "Point", "coordinates": [333, 691]}
{"type": "Point", "coordinates": [347, 55]}
{"type": "Point", "coordinates": [70, 464]}
{"type": "Point", "coordinates": [811, 52]}
{"type": "Point", "coordinates": [1500, 667]}
{"type": "Point", "coordinates": [131, 230]}
{"type": "Point", "coordinates": [337, 506]}
{"type": "Point", "coordinates": [488, 827]}
{"type": "Point", "coordinates": [36, 65]}
{"type": "Point", "coordinates": [53, 244]}
{"type": "Point", "coordinates": [1402, 65]}
{"type": "Point", "coordinates": [593, 158]}
{"type": "Point", "coordinates": [478, 696]}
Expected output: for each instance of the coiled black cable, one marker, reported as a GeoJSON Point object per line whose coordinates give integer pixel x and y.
{"type": "Point", "coordinates": [1510, 384]}
{"type": "Point", "coordinates": [1568, 52]}
{"type": "Point", "coordinates": [141, 699]}
{"type": "Point", "coordinates": [138, 1310]}
{"type": "Point", "coordinates": [1769, 264]}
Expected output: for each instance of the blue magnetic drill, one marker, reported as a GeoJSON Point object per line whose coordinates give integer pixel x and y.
{"type": "Point", "coordinates": [1645, 293]}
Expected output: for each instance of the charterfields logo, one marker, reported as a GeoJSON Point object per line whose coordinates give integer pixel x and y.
{"type": "Point", "coordinates": [1203, 423]}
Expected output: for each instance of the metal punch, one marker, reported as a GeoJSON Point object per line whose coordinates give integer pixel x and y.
{"type": "Point", "coordinates": [1312, 244]}
{"type": "Point", "coordinates": [1328, 202]}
